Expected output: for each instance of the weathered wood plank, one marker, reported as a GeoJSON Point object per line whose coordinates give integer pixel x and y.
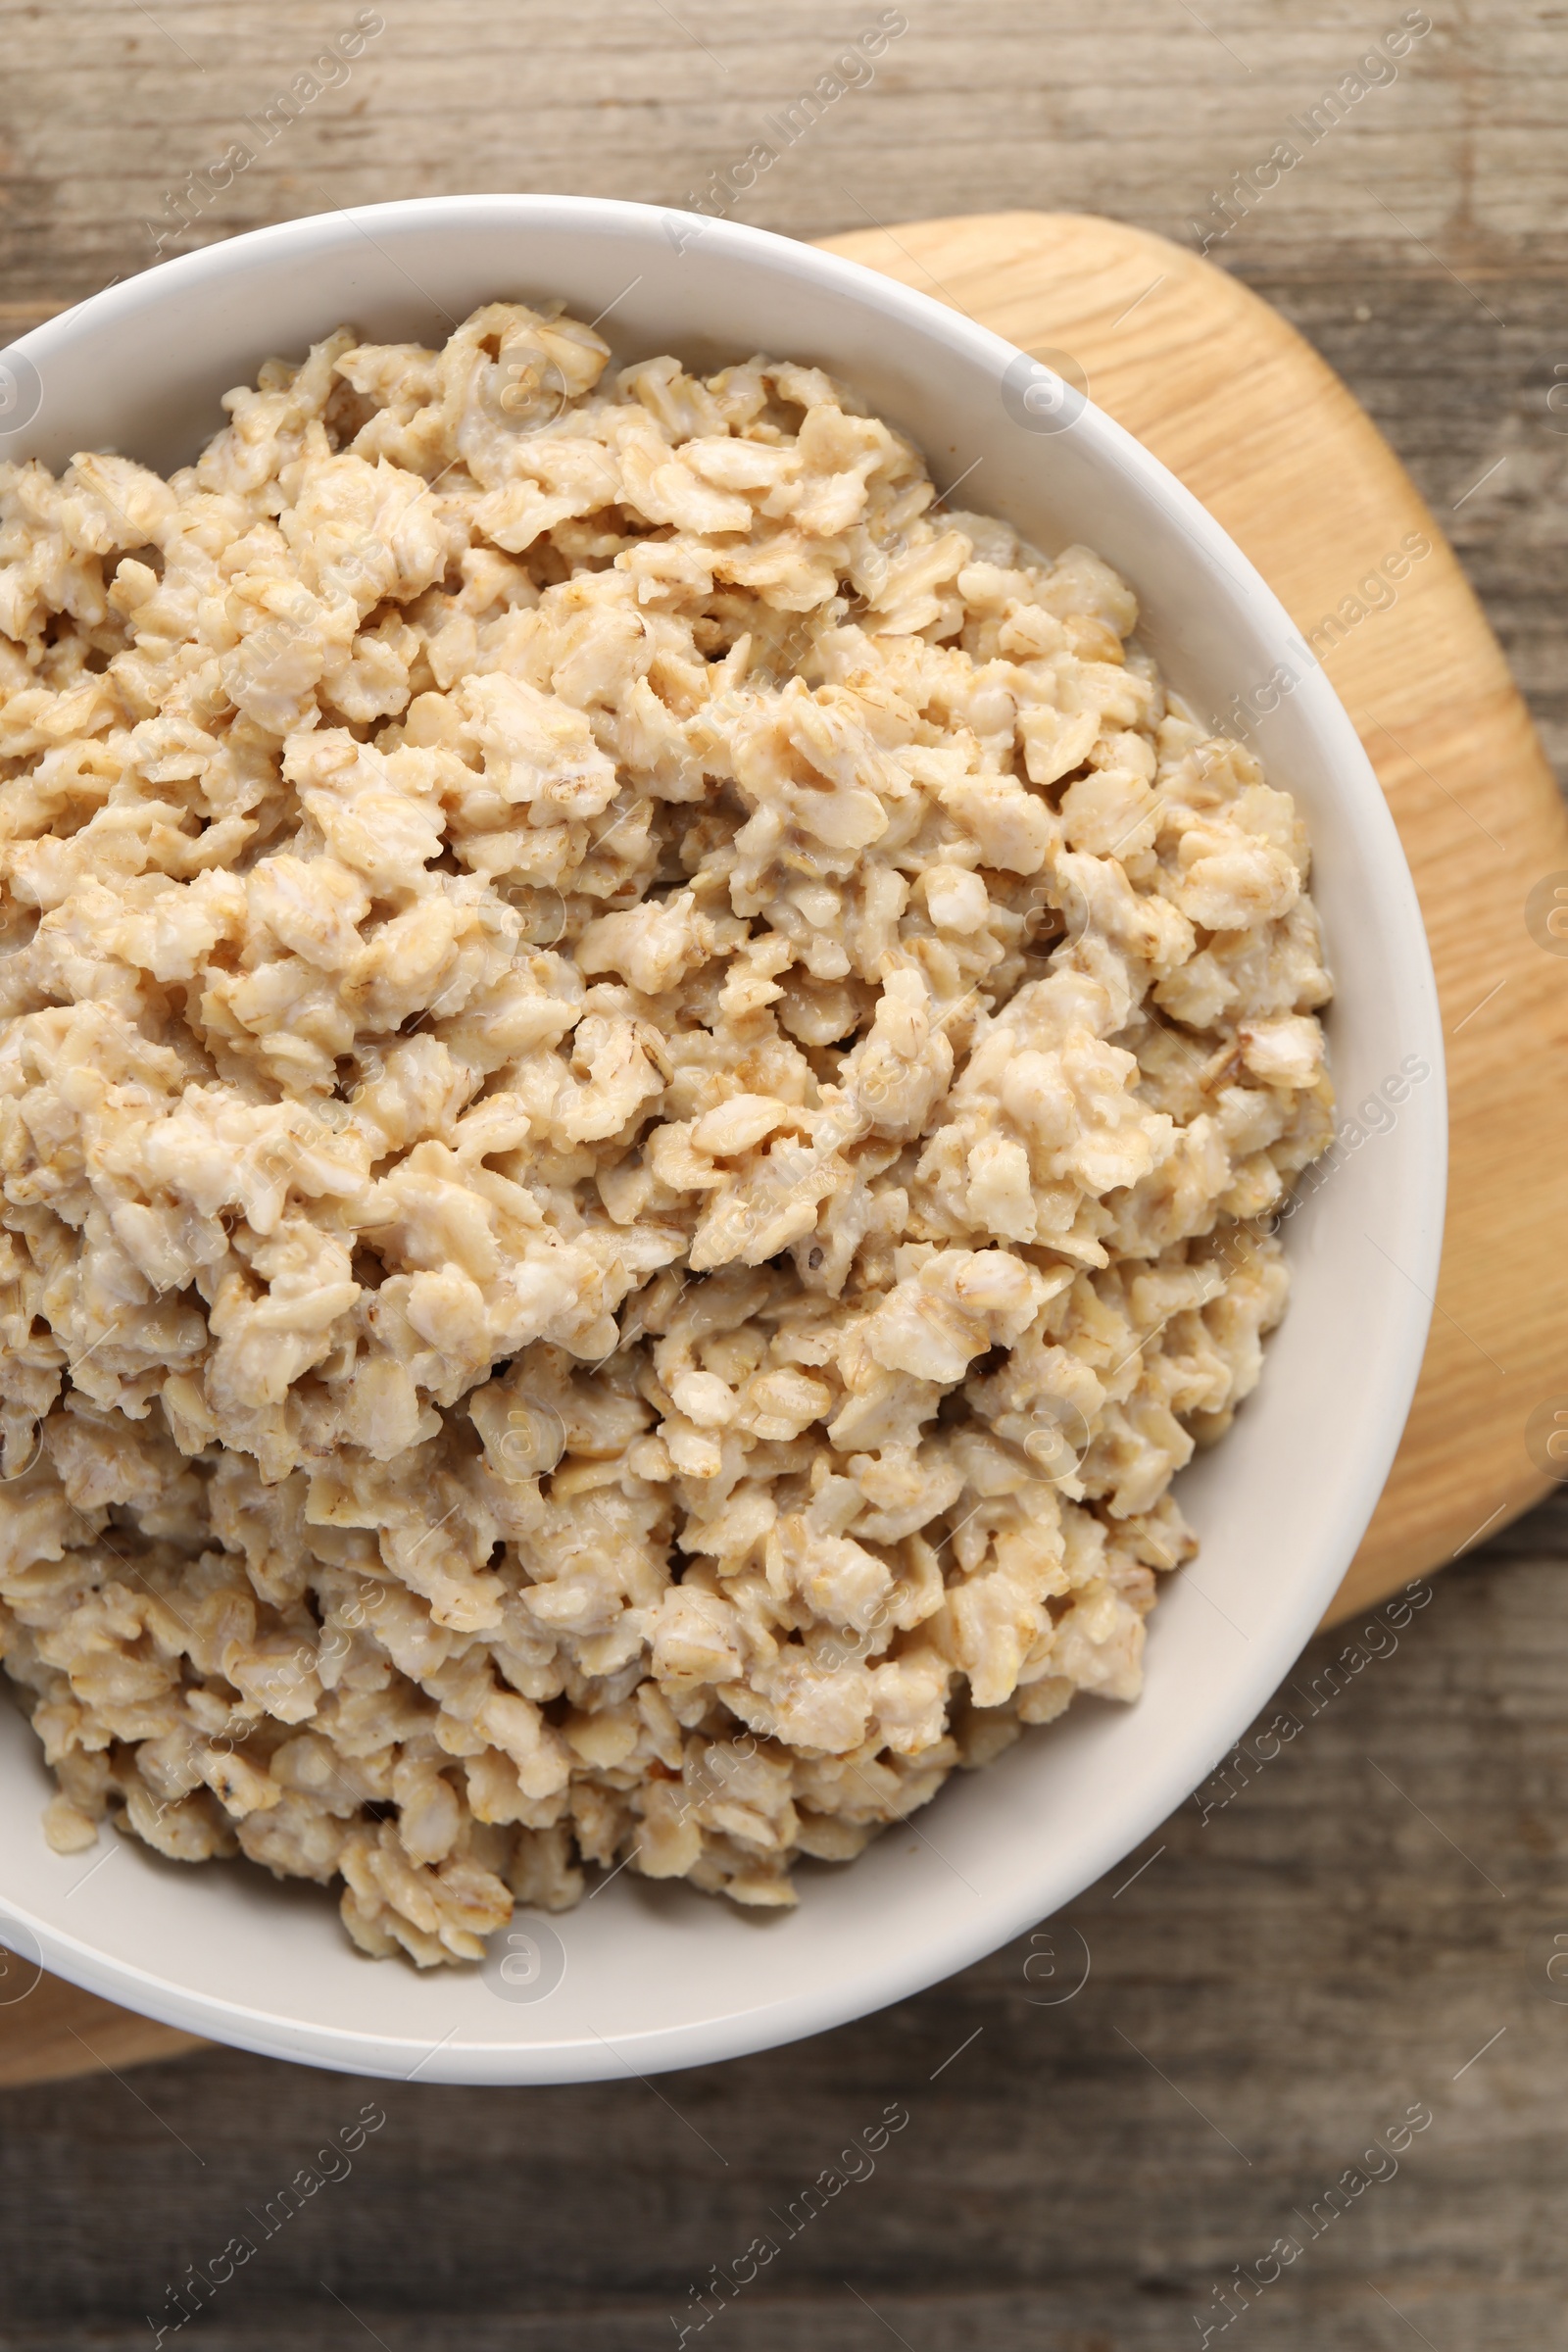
{"type": "Point", "coordinates": [1134, 110]}
{"type": "Point", "coordinates": [1326, 1938]}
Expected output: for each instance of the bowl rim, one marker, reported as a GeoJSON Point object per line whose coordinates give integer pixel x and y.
{"type": "Point", "coordinates": [955, 1944]}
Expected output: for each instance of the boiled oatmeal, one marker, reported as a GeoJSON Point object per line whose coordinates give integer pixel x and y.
{"type": "Point", "coordinates": [643, 1082]}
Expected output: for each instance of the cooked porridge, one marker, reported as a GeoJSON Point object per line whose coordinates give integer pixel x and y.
{"type": "Point", "coordinates": [642, 1086]}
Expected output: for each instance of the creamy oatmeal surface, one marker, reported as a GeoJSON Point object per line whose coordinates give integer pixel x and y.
{"type": "Point", "coordinates": [641, 1083]}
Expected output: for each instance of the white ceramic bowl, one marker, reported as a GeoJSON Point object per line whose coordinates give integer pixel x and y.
{"type": "Point", "coordinates": [657, 1976]}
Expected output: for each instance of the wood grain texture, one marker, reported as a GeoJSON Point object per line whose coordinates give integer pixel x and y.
{"type": "Point", "coordinates": [1241, 409]}
{"type": "Point", "coordinates": [54, 2031]}
{"type": "Point", "coordinates": [1135, 108]}
{"type": "Point", "coordinates": [1362, 1923]}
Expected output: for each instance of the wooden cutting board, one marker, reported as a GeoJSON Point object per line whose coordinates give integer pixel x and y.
{"type": "Point", "coordinates": [1233, 401]}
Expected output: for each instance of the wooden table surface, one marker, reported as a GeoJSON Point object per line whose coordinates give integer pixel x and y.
{"type": "Point", "coordinates": [1367, 1930]}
